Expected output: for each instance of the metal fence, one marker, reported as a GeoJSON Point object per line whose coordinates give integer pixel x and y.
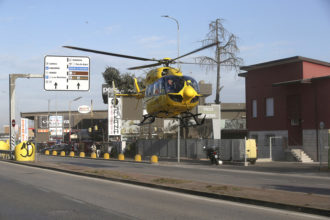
{"type": "Point", "coordinates": [230, 149]}
{"type": "Point", "coordinates": [272, 148]}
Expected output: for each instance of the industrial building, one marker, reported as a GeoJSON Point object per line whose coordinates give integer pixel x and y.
{"type": "Point", "coordinates": [289, 99]}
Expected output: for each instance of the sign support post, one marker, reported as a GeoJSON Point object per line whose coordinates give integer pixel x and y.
{"type": "Point", "coordinates": [12, 80]}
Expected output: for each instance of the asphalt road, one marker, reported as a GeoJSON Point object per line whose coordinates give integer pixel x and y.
{"type": "Point", "coordinates": [296, 182]}
{"type": "Point", "coordinates": [33, 193]}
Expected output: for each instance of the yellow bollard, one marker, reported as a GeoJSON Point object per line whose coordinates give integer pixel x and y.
{"type": "Point", "coordinates": [154, 159]}
{"type": "Point", "coordinates": [54, 153]}
{"type": "Point", "coordinates": [93, 155]}
{"type": "Point", "coordinates": [121, 157]}
{"type": "Point", "coordinates": [106, 156]}
{"type": "Point", "coordinates": [62, 153]}
{"type": "Point", "coordinates": [137, 158]}
{"type": "Point", "coordinates": [82, 154]}
{"type": "Point", "coordinates": [71, 154]}
{"type": "Point", "coordinates": [47, 152]}
{"type": "Point", "coordinates": [25, 151]}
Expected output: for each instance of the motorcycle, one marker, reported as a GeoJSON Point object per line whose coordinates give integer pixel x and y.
{"type": "Point", "coordinates": [213, 155]}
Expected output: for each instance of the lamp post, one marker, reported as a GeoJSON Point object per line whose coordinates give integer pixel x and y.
{"type": "Point", "coordinates": [178, 40]}
{"type": "Point", "coordinates": [76, 99]}
{"type": "Point", "coordinates": [178, 31]}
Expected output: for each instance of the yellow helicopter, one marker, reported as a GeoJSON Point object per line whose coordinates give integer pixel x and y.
{"type": "Point", "coordinates": [168, 93]}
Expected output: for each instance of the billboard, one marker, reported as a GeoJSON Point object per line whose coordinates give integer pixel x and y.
{"type": "Point", "coordinates": [24, 129]}
{"type": "Point", "coordinates": [56, 125]}
{"type": "Point", "coordinates": [43, 122]}
{"type": "Point", "coordinates": [211, 111]}
{"type": "Point", "coordinates": [114, 116]}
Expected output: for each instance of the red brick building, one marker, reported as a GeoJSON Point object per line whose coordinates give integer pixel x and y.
{"type": "Point", "coordinates": [290, 98]}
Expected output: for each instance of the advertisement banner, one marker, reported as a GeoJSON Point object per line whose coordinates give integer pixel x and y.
{"type": "Point", "coordinates": [56, 125]}
{"type": "Point", "coordinates": [24, 129]}
{"type": "Point", "coordinates": [114, 116]}
{"type": "Point", "coordinates": [43, 122]}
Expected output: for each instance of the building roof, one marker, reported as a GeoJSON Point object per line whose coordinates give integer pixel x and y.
{"type": "Point", "coordinates": [299, 81]}
{"type": "Point", "coordinates": [280, 62]}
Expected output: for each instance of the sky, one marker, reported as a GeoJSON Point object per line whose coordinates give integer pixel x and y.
{"type": "Point", "coordinates": [266, 29]}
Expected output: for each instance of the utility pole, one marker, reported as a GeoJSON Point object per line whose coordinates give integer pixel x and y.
{"type": "Point", "coordinates": [217, 94]}
{"type": "Point", "coordinates": [178, 41]}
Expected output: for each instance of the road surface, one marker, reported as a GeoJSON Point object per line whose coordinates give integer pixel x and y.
{"type": "Point", "coordinates": [33, 193]}
{"type": "Point", "coordinates": [295, 182]}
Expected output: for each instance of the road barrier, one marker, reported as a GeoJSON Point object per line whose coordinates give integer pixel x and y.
{"type": "Point", "coordinates": [106, 156]}
{"type": "Point", "coordinates": [25, 151]}
{"type": "Point", "coordinates": [93, 155]}
{"type": "Point", "coordinates": [54, 153]}
{"type": "Point", "coordinates": [154, 159]}
{"type": "Point", "coordinates": [71, 154]}
{"type": "Point", "coordinates": [62, 153]}
{"type": "Point", "coordinates": [137, 158]}
{"type": "Point", "coordinates": [47, 152]}
{"type": "Point", "coordinates": [82, 154]}
{"type": "Point", "coordinates": [121, 157]}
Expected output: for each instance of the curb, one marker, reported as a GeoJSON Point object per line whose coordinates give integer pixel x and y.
{"type": "Point", "coordinates": [256, 202]}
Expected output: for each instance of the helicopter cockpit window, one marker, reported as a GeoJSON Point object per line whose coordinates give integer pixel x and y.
{"type": "Point", "coordinates": [173, 84]}
{"type": "Point", "coordinates": [193, 83]}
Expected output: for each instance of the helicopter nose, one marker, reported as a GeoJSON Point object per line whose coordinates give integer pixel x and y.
{"type": "Point", "coordinates": [189, 92]}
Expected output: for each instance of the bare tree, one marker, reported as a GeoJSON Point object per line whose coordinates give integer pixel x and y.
{"type": "Point", "coordinates": [225, 52]}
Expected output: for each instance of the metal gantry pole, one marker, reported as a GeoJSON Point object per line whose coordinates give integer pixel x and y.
{"type": "Point", "coordinates": [12, 80]}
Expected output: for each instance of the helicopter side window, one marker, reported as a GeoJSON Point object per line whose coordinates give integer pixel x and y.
{"type": "Point", "coordinates": [149, 90]}
{"type": "Point", "coordinates": [164, 72]}
{"type": "Point", "coordinates": [156, 88]}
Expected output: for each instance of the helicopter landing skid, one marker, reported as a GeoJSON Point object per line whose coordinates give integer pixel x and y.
{"type": "Point", "coordinates": [184, 120]}
{"type": "Point", "coordinates": [147, 119]}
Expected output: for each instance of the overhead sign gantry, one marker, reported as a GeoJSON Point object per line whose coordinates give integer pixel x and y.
{"type": "Point", "coordinates": [62, 73]}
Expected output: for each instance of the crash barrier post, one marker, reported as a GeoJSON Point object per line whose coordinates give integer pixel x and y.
{"type": "Point", "coordinates": [154, 159]}
{"type": "Point", "coordinates": [25, 151]}
{"type": "Point", "coordinates": [6, 147]}
{"type": "Point", "coordinates": [47, 152]}
{"type": "Point", "coordinates": [137, 158]}
{"type": "Point", "coordinates": [106, 156]}
{"type": "Point", "coordinates": [54, 153]}
{"type": "Point", "coordinates": [62, 153]}
{"type": "Point", "coordinates": [121, 157]}
{"type": "Point", "coordinates": [71, 154]}
{"type": "Point", "coordinates": [82, 154]}
{"type": "Point", "coordinates": [93, 155]}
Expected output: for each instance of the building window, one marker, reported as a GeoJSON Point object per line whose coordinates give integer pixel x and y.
{"type": "Point", "coordinates": [269, 107]}
{"type": "Point", "coordinates": [254, 108]}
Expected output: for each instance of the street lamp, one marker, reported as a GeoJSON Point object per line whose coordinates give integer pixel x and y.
{"type": "Point", "coordinates": [76, 99]}
{"type": "Point", "coordinates": [177, 23]}
{"type": "Point", "coordinates": [178, 40]}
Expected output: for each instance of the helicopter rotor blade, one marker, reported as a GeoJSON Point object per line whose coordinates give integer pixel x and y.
{"type": "Point", "coordinates": [110, 54]}
{"type": "Point", "coordinates": [203, 64]}
{"type": "Point", "coordinates": [145, 66]}
{"type": "Point", "coordinates": [195, 51]}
